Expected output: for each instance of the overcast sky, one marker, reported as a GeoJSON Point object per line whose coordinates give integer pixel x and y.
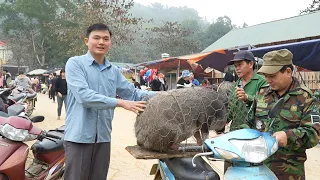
{"type": "Point", "coordinates": [250, 11]}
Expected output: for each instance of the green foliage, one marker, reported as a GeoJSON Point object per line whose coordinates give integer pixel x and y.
{"type": "Point", "coordinates": [173, 39]}
{"type": "Point", "coordinates": [45, 33]}
{"type": "Point", "coordinates": [314, 6]}
{"type": "Point", "coordinates": [26, 31]}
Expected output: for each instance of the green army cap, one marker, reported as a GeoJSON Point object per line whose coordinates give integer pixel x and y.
{"type": "Point", "coordinates": [273, 61]}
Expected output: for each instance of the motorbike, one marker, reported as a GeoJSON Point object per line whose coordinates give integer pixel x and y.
{"type": "Point", "coordinates": [48, 152]}
{"type": "Point", "coordinates": [10, 104]}
{"type": "Point", "coordinates": [244, 149]}
{"type": "Point", "coordinates": [23, 97]}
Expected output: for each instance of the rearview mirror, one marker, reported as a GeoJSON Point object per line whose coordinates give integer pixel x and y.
{"type": "Point", "coordinates": [276, 108]}
{"type": "Point", "coordinates": [37, 119]}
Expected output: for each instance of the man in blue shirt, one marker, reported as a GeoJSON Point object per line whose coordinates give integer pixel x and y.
{"type": "Point", "coordinates": [93, 84]}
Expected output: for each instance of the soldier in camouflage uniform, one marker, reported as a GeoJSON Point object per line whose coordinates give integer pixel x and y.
{"type": "Point", "coordinates": [293, 128]}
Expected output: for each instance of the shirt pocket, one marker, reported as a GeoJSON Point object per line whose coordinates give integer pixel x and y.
{"type": "Point", "coordinates": [111, 85]}
{"type": "Point", "coordinates": [291, 113]}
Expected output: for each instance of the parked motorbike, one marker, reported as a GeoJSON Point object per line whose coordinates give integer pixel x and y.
{"type": "Point", "coordinates": [27, 98]}
{"type": "Point", "coordinates": [244, 149]}
{"type": "Point", "coordinates": [48, 152]}
{"type": "Point", "coordinates": [9, 103]}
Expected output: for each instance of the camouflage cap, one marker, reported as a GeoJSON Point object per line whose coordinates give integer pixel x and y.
{"type": "Point", "coordinates": [273, 61]}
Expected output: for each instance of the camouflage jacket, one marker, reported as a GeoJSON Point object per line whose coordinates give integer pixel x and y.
{"type": "Point", "coordinates": [295, 120]}
{"type": "Point", "coordinates": [317, 95]}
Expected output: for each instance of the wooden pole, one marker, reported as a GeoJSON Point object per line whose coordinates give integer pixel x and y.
{"type": "Point", "coordinates": [178, 70]}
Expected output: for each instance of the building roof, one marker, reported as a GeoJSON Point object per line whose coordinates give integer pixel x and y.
{"type": "Point", "coordinates": [294, 28]}
{"type": "Point", "coordinates": [123, 65]}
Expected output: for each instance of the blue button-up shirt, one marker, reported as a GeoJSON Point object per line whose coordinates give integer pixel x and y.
{"type": "Point", "coordinates": [92, 90]}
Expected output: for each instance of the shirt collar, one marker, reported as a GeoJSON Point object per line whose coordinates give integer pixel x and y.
{"type": "Point", "coordinates": [254, 77]}
{"type": "Point", "coordinates": [91, 60]}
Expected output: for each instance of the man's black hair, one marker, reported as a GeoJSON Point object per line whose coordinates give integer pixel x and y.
{"type": "Point", "coordinates": [54, 74]}
{"type": "Point", "coordinates": [21, 72]}
{"type": "Point", "coordinates": [284, 68]}
{"type": "Point", "coordinates": [97, 27]}
{"type": "Point", "coordinates": [254, 63]}
{"type": "Point", "coordinates": [62, 71]}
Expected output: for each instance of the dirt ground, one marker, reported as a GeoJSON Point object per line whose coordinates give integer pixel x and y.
{"type": "Point", "coordinates": [123, 166]}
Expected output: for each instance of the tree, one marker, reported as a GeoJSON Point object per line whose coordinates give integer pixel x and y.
{"type": "Point", "coordinates": [244, 25]}
{"type": "Point", "coordinates": [314, 6]}
{"type": "Point", "coordinates": [25, 24]}
{"type": "Point", "coordinates": [76, 17]}
{"type": "Point", "coordinates": [171, 38]}
{"type": "Point", "coordinates": [216, 30]}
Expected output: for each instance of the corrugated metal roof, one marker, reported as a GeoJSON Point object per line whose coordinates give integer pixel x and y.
{"type": "Point", "coordinates": [297, 27]}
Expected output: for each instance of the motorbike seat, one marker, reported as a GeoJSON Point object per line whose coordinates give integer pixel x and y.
{"type": "Point", "coordinates": [15, 109]}
{"type": "Point", "coordinates": [31, 95]}
{"type": "Point", "coordinates": [46, 145]}
{"type": "Point", "coordinates": [5, 92]}
{"type": "Point", "coordinates": [16, 97]}
{"type": "Point", "coordinates": [182, 168]}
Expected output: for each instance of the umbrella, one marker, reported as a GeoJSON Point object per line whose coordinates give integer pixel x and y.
{"type": "Point", "coordinates": [217, 59]}
{"type": "Point", "coordinates": [36, 72]}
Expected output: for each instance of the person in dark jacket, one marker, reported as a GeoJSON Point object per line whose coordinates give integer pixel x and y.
{"type": "Point", "coordinates": [136, 84]}
{"type": "Point", "coordinates": [155, 83]}
{"type": "Point", "coordinates": [6, 79]}
{"type": "Point", "coordinates": [53, 87]}
{"type": "Point", "coordinates": [184, 80]}
{"type": "Point", "coordinates": [61, 90]}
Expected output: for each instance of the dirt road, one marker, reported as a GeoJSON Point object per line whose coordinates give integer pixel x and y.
{"type": "Point", "coordinates": [123, 166]}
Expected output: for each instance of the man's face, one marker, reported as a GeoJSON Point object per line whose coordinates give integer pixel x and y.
{"type": "Point", "coordinates": [243, 68]}
{"type": "Point", "coordinates": [160, 75]}
{"type": "Point", "coordinates": [279, 81]}
{"type": "Point", "coordinates": [98, 42]}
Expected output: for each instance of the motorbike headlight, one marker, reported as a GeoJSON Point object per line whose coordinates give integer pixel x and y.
{"type": "Point", "coordinates": [14, 134]}
{"type": "Point", "coordinates": [274, 147]}
{"type": "Point", "coordinates": [227, 154]}
{"type": "Point", "coordinates": [253, 150]}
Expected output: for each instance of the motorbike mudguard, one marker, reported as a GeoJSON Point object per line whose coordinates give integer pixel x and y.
{"type": "Point", "coordinates": [255, 172]}
{"type": "Point", "coordinates": [13, 156]}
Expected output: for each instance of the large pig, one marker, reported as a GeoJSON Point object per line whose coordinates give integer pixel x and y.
{"type": "Point", "coordinates": [173, 116]}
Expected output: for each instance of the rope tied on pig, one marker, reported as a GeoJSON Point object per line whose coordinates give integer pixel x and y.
{"type": "Point", "coordinates": [173, 116]}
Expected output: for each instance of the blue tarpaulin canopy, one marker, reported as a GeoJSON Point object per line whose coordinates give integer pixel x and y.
{"type": "Point", "coordinates": [306, 54]}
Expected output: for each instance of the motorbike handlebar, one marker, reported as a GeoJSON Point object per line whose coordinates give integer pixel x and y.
{"type": "Point", "coordinates": [202, 148]}
{"type": "Point", "coordinates": [53, 136]}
